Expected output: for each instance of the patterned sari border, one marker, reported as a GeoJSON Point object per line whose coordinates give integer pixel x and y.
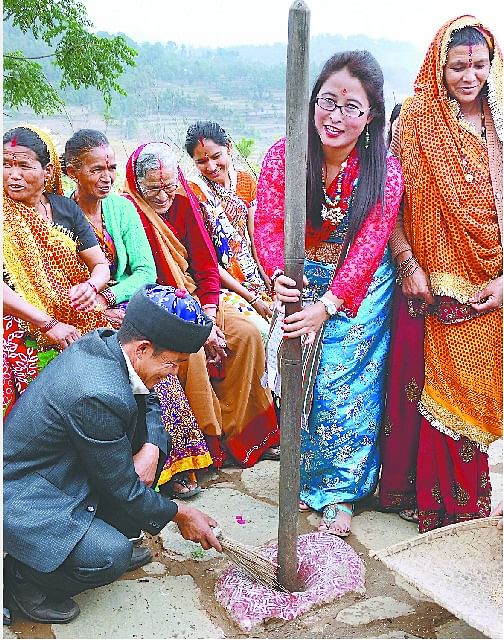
{"type": "Point", "coordinates": [451, 425]}
{"type": "Point", "coordinates": [448, 284]}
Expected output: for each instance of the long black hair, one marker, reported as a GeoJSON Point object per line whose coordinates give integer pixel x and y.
{"type": "Point", "coordinates": [372, 160]}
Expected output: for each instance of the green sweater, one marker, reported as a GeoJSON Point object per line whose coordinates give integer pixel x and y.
{"type": "Point", "coordinates": [135, 263]}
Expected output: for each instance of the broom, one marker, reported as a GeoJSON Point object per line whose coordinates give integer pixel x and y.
{"type": "Point", "coordinates": [250, 560]}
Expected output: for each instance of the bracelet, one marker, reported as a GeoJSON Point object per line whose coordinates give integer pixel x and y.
{"type": "Point", "coordinates": [93, 286]}
{"type": "Point", "coordinates": [254, 300]}
{"type": "Point", "coordinates": [408, 267]}
{"type": "Point", "coordinates": [276, 273]}
{"type": "Point", "coordinates": [48, 325]}
{"type": "Point", "coordinates": [110, 297]}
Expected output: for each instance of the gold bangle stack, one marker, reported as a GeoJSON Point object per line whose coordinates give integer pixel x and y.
{"type": "Point", "coordinates": [406, 269]}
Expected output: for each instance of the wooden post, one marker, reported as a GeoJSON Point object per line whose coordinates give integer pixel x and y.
{"type": "Point", "coordinates": [294, 230]}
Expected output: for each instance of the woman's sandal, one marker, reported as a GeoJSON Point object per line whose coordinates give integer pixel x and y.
{"type": "Point", "coordinates": [273, 453]}
{"type": "Point", "coordinates": [410, 515]}
{"type": "Point", "coordinates": [179, 487]}
{"type": "Point", "coordinates": [330, 517]}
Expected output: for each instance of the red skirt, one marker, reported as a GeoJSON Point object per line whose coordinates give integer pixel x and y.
{"type": "Point", "coordinates": [446, 479]}
{"type": "Point", "coordinates": [400, 430]}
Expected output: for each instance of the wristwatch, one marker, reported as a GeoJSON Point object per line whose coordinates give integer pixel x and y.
{"type": "Point", "coordinates": [330, 307]}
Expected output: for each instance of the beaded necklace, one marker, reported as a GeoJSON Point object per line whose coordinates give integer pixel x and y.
{"type": "Point", "coordinates": [333, 209]}
{"type": "Point", "coordinates": [336, 203]}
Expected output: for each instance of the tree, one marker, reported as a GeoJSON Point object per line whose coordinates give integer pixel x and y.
{"type": "Point", "coordinates": [83, 58]}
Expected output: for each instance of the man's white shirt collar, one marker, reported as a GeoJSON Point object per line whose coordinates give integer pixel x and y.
{"type": "Point", "coordinates": [136, 384]}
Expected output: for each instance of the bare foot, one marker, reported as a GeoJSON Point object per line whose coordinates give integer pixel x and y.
{"type": "Point", "coordinates": [303, 506]}
{"type": "Point", "coordinates": [337, 519]}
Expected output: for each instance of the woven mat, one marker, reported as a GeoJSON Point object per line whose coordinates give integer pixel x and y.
{"type": "Point", "coordinates": [327, 565]}
{"type": "Point", "coordinates": [459, 567]}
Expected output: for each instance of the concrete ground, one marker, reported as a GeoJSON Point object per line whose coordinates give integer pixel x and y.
{"type": "Point", "coordinates": [173, 597]}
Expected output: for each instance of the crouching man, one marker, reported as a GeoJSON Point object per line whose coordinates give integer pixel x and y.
{"type": "Point", "coordinates": [75, 445]}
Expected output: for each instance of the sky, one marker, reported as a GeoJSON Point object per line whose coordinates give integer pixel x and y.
{"type": "Point", "coordinates": [223, 23]}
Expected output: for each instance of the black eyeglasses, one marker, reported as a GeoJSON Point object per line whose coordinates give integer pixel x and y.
{"type": "Point", "coordinates": [347, 110]}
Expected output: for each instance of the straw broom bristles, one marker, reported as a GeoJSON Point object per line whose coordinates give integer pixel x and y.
{"type": "Point", "coordinates": [251, 560]}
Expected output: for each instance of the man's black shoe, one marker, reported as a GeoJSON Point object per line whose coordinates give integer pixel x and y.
{"type": "Point", "coordinates": [139, 557]}
{"type": "Point", "coordinates": [33, 602]}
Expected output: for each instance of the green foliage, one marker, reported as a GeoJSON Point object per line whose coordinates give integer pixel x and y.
{"type": "Point", "coordinates": [245, 146]}
{"type": "Point", "coordinates": [84, 58]}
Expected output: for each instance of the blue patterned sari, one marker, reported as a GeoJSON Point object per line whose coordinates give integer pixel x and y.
{"type": "Point", "coordinates": [339, 441]}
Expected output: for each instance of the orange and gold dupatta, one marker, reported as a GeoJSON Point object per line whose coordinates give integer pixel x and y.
{"type": "Point", "coordinates": [453, 220]}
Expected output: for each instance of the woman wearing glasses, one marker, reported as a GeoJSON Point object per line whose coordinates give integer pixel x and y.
{"type": "Point", "coordinates": [90, 161]}
{"type": "Point", "coordinates": [353, 195]}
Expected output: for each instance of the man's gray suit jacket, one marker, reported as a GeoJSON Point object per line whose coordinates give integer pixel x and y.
{"type": "Point", "coordinates": [67, 443]}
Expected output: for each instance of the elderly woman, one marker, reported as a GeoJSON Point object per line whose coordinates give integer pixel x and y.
{"type": "Point", "coordinates": [234, 411]}
{"type": "Point", "coordinates": [53, 266]}
{"type": "Point", "coordinates": [445, 391]}
{"type": "Point", "coordinates": [228, 203]}
{"type": "Point", "coordinates": [90, 162]}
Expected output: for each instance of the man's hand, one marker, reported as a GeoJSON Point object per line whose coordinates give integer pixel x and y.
{"type": "Point", "coordinates": [215, 345]}
{"type": "Point", "coordinates": [196, 526]}
{"type": "Point", "coordinates": [146, 461]}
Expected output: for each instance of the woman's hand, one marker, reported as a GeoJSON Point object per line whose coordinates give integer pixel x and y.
{"type": "Point", "coordinates": [307, 321]}
{"type": "Point", "coordinates": [263, 308]}
{"type": "Point", "coordinates": [83, 296]}
{"type": "Point", "coordinates": [285, 289]}
{"type": "Point", "coordinates": [63, 335]}
{"type": "Point", "coordinates": [215, 345]}
{"type": "Point", "coordinates": [488, 298]}
{"type": "Point", "coordinates": [418, 286]}
{"type": "Point", "coordinates": [115, 317]}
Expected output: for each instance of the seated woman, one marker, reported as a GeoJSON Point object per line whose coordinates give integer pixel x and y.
{"type": "Point", "coordinates": [234, 411]}
{"type": "Point", "coordinates": [53, 266]}
{"type": "Point", "coordinates": [228, 202]}
{"type": "Point", "coordinates": [90, 161]}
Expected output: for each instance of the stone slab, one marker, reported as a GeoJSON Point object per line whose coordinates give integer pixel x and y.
{"type": "Point", "coordinates": [154, 569]}
{"type": "Point", "coordinates": [396, 634]}
{"type": "Point", "coordinates": [166, 607]}
{"type": "Point", "coordinates": [224, 504]}
{"type": "Point", "coordinates": [377, 530]}
{"type": "Point", "coordinates": [457, 629]}
{"type": "Point", "coordinates": [371, 609]}
{"type": "Point", "coordinates": [262, 480]}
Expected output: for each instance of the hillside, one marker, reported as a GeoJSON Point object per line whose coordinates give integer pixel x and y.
{"type": "Point", "coordinates": [243, 88]}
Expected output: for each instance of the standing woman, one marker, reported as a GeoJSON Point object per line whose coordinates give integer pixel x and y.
{"type": "Point", "coordinates": [353, 196]}
{"type": "Point", "coordinates": [448, 247]}
{"type": "Point", "coordinates": [228, 203]}
{"type": "Point", "coordinates": [53, 266]}
{"type": "Point", "coordinates": [90, 162]}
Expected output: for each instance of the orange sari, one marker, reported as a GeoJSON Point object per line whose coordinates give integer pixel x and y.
{"type": "Point", "coordinates": [452, 212]}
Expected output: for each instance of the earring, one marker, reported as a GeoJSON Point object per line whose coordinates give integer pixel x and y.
{"type": "Point", "coordinates": [366, 138]}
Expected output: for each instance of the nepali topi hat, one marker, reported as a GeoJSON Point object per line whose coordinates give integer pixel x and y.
{"type": "Point", "coordinates": [170, 318]}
